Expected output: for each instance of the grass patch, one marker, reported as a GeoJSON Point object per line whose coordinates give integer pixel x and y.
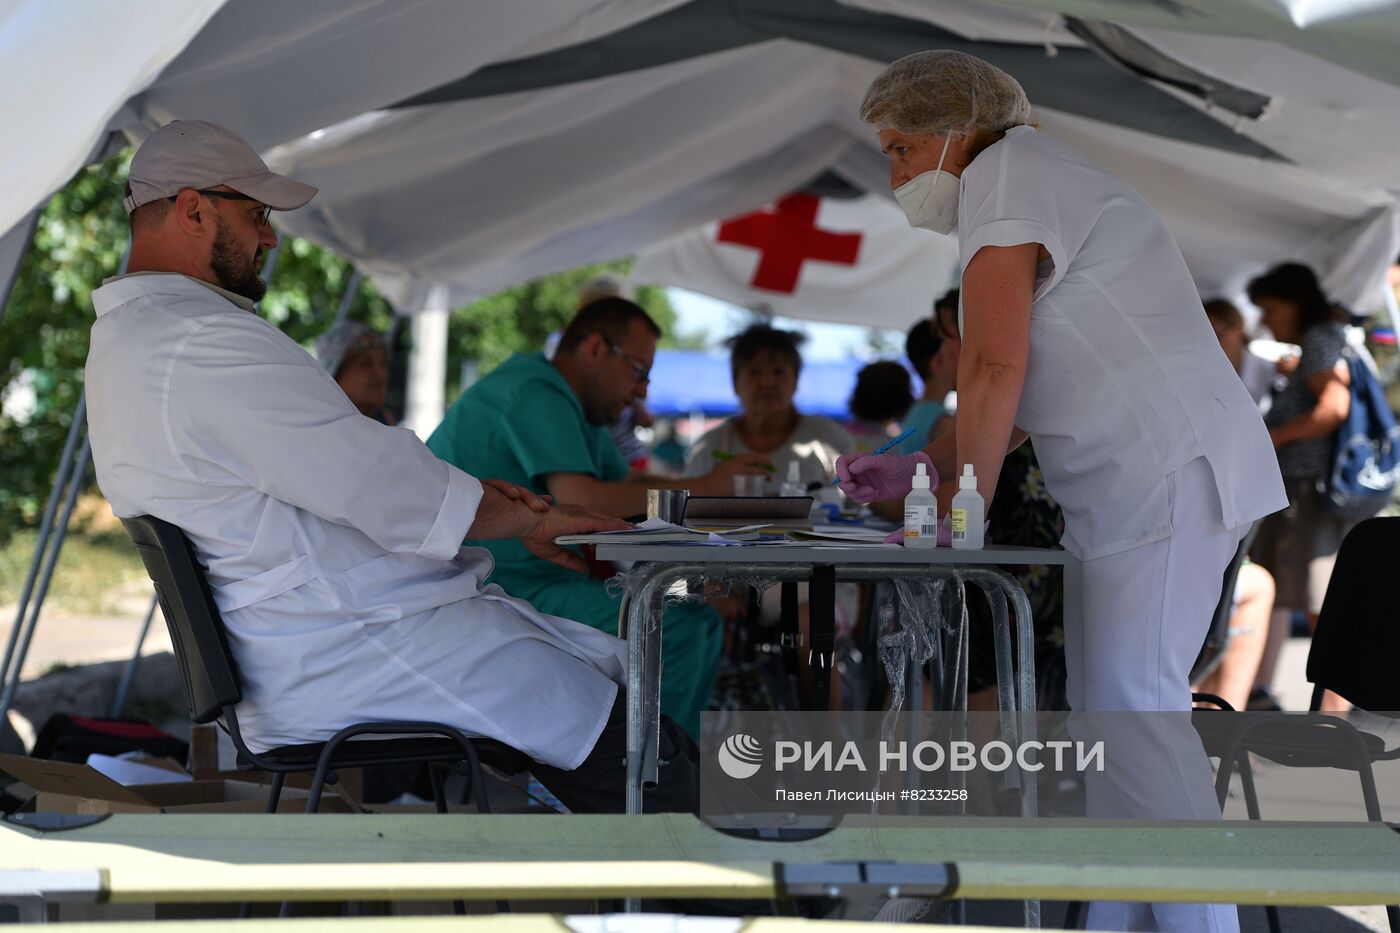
{"type": "Point", "coordinates": [97, 571]}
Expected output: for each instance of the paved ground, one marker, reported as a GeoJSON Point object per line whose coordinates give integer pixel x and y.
{"type": "Point", "coordinates": [63, 638]}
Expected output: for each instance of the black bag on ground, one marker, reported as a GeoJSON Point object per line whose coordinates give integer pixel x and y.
{"type": "Point", "coordinates": [73, 738]}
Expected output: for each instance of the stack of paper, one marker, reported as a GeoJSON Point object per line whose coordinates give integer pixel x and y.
{"type": "Point", "coordinates": [847, 534]}
{"type": "Point", "coordinates": [656, 531]}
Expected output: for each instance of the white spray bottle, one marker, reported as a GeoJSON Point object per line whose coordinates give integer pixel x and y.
{"type": "Point", "coordinates": [792, 485]}
{"type": "Point", "coordinates": [921, 512]}
{"type": "Point", "coordinates": [968, 513]}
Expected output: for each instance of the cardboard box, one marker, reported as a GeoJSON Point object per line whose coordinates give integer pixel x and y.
{"type": "Point", "coordinates": [213, 757]}
{"type": "Point", "coordinates": [64, 787]}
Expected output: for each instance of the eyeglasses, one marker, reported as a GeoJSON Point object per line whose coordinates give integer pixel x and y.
{"type": "Point", "coordinates": [642, 373]}
{"type": "Point", "coordinates": [262, 216]}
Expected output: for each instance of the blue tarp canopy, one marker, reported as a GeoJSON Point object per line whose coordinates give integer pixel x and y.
{"type": "Point", "coordinates": [684, 381]}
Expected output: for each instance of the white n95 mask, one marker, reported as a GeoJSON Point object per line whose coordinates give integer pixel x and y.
{"type": "Point", "coordinates": [930, 200]}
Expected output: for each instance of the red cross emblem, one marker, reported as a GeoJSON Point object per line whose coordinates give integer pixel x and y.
{"type": "Point", "coordinates": [786, 237]}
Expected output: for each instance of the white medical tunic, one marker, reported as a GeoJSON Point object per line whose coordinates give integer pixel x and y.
{"type": "Point", "coordinates": [1126, 381]}
{"type": "Point", "coordinates": [332, 542]}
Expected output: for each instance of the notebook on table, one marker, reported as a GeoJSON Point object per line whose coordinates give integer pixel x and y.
{"type": "Point", "coordinates": [720, 512]}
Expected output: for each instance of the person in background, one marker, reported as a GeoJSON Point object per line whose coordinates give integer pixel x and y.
{"type": "Point", "coordinates": [765, 363]}
{"type": "Point", "coordinates": [358, 361]}
{"type": "Point", "coordinates": [1258, 373]}
{"type": "Point", "coordinates": [635, 415]}
{"type": "Point", "coordinates": [1299, 545]}
{"type": "Point", "coordinates": [1243, 678]}
{"type": "Point", "coordinates": [879, 402]}
{"type": "Point", "coordinates": [1237, 679]}
{"type": "Point", "coordinates": [668, 453]}
{"type": "Point", "coordinates": [543, 425]}
{"type": "Point", "coordinates": [932, 346]}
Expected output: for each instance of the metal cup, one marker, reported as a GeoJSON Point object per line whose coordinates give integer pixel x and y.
{"type": "Point", "coordinates": [745, 485]}
{"type": "Point", "coordinates": [667, 504]}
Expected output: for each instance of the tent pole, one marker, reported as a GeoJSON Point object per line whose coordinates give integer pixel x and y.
{"type": "Point", "coordinates": [65, 464]}
{"type": "Point", "coordinates": [391, 336]}
{"type": "Point", "coordinates": [8, 278]}
{"type": "Point", "coordinates": [9, 679]}
{"type": "Point", "coordinates": [129, 674]}
{"type": "Point", "coordinates": [427, 363]}
{"type": "Point", "coordinates": [352, 291]}
{"type": "Point", "coordinates": [76, 484]}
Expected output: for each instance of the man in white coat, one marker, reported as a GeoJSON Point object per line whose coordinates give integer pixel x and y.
{"type": "Point", "coordinates": [331, 542]}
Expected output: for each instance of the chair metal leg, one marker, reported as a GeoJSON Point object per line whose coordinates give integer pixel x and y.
{"type": "Point", "coordinates": [1368, 787]}
{"type": "Point", "coordinates": [459, 907]}
{"type": "Point", "coordinates": [274, 793]}
{"type": "Point", "coordinates": [1251, 797]}
{"type": "Point", "coordinates": [439, 793]}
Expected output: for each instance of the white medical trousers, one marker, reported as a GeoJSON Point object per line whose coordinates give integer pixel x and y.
{"type": "Point", "coordinates": [1134, 624]}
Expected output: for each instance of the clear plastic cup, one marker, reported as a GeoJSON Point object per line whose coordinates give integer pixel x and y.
{"type": "Point", "coordinates": [750, 485]}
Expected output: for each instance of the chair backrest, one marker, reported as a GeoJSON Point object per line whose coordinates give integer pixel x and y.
{"type": "Point", "coordinates": [1356, 644]}
{"type": "Point", "coordinates": [207, 669]}
{"type": "Point", "coordinates": [1218, 635]}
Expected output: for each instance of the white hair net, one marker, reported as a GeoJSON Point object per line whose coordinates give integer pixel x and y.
{"type": "Point", "coordinates": [943, 91]}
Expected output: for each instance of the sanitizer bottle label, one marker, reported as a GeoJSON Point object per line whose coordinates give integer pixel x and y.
{"type": "Point", "coordinates": [957, 518]}
{"type": "Point", "coordinates": [920, 522]}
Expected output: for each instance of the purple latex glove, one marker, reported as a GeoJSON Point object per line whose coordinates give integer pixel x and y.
{"type": "Point", "coordinates": [868, 477]}
{"type": "Point", "coordinates": [945, 533]}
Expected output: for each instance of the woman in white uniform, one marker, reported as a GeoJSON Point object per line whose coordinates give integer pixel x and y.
{"type": "Point", "coordinates": [1082, 328]}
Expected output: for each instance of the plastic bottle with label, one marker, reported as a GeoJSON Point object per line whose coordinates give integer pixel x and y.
{"type": "Point", "coordinates": [792, 484]}
{"type": "Point", "coordinates": [921, 512]}
{"type": "Point", "coordinates": [967, 516]}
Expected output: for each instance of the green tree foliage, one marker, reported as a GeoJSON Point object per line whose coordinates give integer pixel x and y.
{"type": "Point", "coordinates": [44, 335]}
{"type": "Point", "coordinates": [79, 242]}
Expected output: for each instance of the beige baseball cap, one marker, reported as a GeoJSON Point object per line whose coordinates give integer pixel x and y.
{"type": "Point", "coordinates": [196, 154]}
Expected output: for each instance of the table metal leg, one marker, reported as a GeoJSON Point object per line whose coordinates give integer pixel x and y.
{"type": "Point", "coordinates": [643, 632]}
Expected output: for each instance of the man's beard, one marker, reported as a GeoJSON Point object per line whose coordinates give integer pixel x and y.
{"type": "Point", "coordinates": [235, 273]}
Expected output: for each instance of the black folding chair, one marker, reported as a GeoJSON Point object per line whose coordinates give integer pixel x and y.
{"type": "Point", "coordinates": [1355, 647]}
{"type": "Point", "coordinates": [209, 676]}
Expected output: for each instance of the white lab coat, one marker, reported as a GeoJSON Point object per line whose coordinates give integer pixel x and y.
{"type": "Point", "coordinates": [332, 542]}
{"type": "Point", "coordinates": [1125, 382]}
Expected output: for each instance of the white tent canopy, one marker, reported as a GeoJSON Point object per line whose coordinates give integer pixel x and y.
{"type": "Point", "coordinates": [466, 147]}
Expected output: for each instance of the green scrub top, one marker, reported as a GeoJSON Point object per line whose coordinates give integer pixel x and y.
{"type": "Point", "coordinates": [521, 423]}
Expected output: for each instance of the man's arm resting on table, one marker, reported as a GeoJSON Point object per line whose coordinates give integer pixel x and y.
{"type": "Point", "coordinates": [621, 499]}
{"type": "Point", "coordinates": [629, 497]}
{"type": "Point", "coordinates": [499, 516]}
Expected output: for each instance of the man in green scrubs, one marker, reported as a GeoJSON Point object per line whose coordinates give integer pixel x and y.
{"type": "Point", "coordinates": [542, 424]}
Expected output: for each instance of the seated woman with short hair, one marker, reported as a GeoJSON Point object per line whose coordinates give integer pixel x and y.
{"type": "Point", "coordinates": [764, 364]}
